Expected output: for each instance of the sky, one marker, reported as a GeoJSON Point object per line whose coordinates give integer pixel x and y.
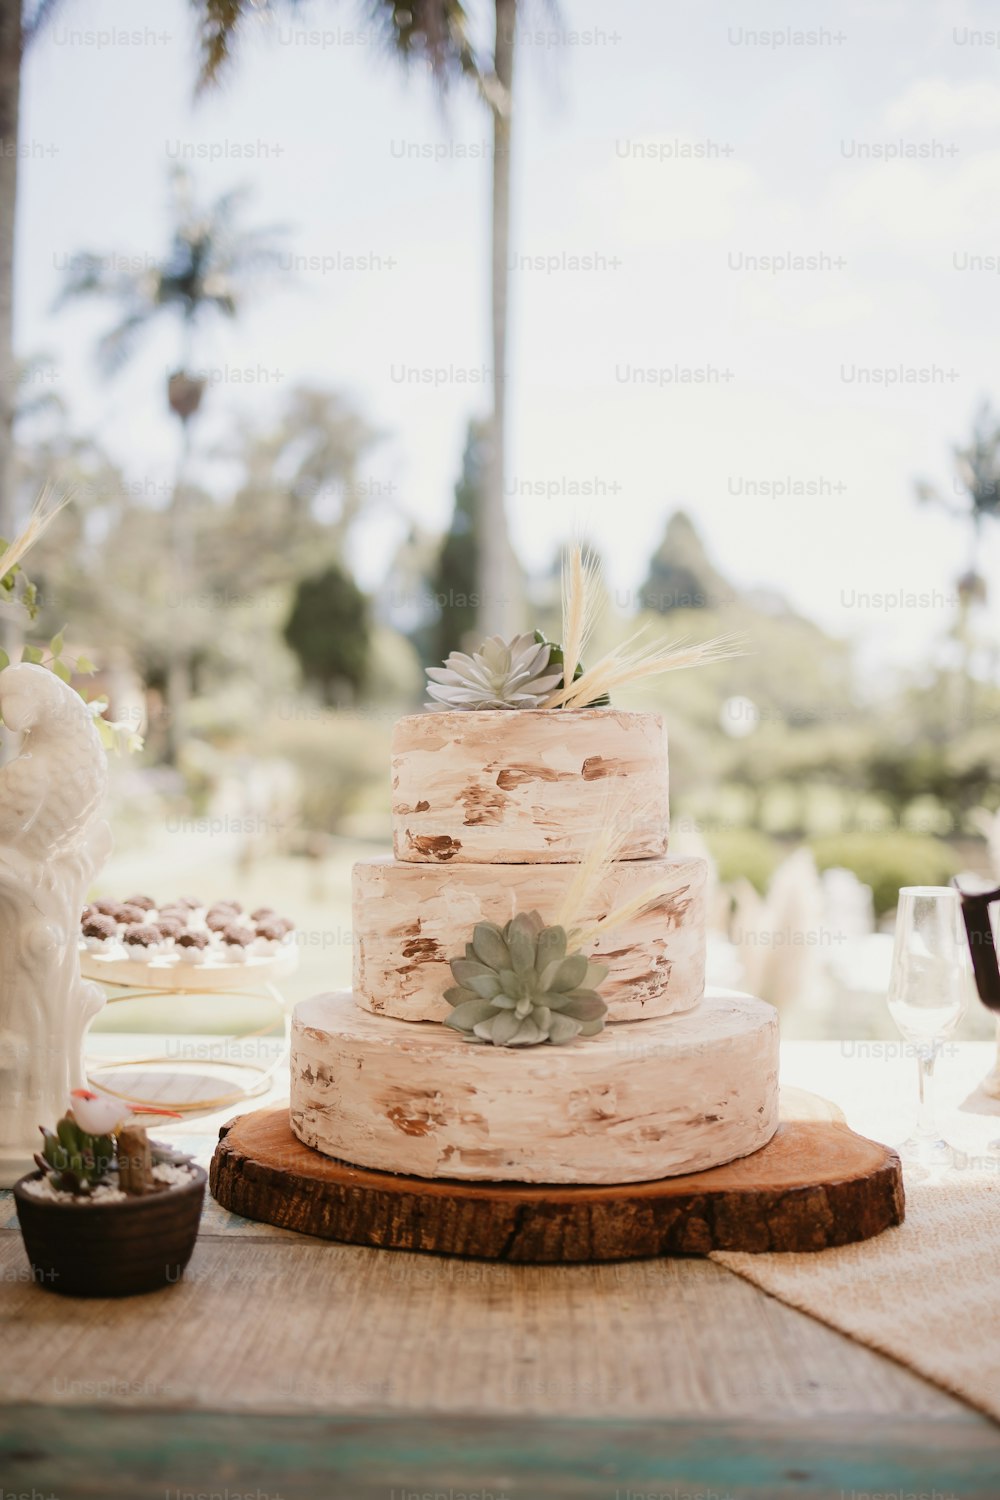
{"type": "Point", "coordinates": [755, 271]}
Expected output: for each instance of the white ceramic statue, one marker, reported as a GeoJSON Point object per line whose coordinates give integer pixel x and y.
{"type": "Point", "coordinates": [52, 841]}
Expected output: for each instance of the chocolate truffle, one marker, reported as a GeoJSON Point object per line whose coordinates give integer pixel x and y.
{"type": "Point", "coordinates": [141, 935]}
{"type": "Point", "coordinates": [175, 913]}
{"type": "Point", "coordinates": [236, 936]}
{"type": "Point", "coordinates": [169, 927]}
{"type": "Point", "coordinates": [197, 941]}
{"type": "Point", "coordinates": [272, 930]}
{"type": "Point", "coordinates": [98, 925]}
{"type": "Point", "coordinates": [126, 914]}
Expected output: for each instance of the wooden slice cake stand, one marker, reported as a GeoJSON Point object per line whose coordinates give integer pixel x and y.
{"type": "Point", "coordinates": [814, 1185]}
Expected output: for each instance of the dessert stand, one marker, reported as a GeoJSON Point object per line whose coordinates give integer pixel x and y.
{"type": "Point", "coordinates": [217, 1072]}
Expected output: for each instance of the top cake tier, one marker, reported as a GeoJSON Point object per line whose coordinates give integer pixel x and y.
{"type": "Point", "coordinates": [527, 786]}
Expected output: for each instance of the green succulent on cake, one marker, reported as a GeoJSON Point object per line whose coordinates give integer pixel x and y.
{"type": "Point", "coordinates": [501, 674]}
{"type": "Point", "coordinates": [517, 986]}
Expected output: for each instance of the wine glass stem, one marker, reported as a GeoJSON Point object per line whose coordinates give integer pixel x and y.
{"type": "Point", "coordinates": [926, 1122]}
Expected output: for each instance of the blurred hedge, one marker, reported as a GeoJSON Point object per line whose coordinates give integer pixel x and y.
{"type": "Point", "coordinates": [887, 861]}
{"type": "Point", "coordinates": [745, 853]}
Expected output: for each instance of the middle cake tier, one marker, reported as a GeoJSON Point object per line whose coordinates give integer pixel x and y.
{"type": "Point", "coordinates": [410, 919]}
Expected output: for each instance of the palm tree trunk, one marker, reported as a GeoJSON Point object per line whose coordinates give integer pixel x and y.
{"type": "Point", "coordinates": [497, 585]}
{"type": "Point", "coordinates": [10, 91]}
{"type": "Point", "coordinates": [11, 43]}
{"type": "Point", "coordinates": [181, 555]}
{"type": "Point", "coordinates": [966, 627]}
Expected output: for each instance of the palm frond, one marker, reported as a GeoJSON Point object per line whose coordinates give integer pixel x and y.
{"type": "Point", "coordinates": [87, 277]}
{"type": "Point", "coordinates": [224, 302]}
{"type": "Point", "coordinates": [115, 348]}
{"type": "Point", "coordinates": [258, 243]}
{"type": "Point", "coordinates": [435, 32]}
{"type": "Point", "coordinates": [219, 23]}
{"type": "Point", "coordinates": [37, 16]}
{"type": "Point", "coordinates": [208, 267]}
{"type": "Point", "coordinates": [33, 398]}
{"type": "Point", "coordinates": [225, 211]}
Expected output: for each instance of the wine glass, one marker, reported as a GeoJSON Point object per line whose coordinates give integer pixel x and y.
{"type": "Point", "coordinates": [928, 988]}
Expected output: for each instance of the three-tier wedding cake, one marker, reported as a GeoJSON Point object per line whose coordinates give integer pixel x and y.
{"type": "Point", "coordinates": [528, 1001]}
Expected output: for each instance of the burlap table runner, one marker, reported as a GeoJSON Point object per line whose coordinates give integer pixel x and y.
{"type": "Point", "coordinates": [927, 1293]}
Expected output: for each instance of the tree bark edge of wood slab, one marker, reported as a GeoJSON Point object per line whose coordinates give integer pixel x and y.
{"type": "Point", "coordinates": [815, 1185]}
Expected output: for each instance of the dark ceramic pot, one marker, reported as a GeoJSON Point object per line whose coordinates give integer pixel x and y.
{"type": "Point", "coordinates": [110, 1249]}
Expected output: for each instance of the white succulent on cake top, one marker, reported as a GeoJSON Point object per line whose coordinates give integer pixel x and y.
{"type": "Point", "coordinates": [531, 672]}
{"type": "Point", "coordinates": [501, 674]}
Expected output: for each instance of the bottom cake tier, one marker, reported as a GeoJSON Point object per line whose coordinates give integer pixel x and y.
{"type": "Point", "coordinates": [643, 1100]}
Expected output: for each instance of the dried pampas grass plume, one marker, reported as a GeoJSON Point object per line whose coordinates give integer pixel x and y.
{"type": "Point", "coordinates": [580, 574]}
{"type": "Point", "coordinates": [604, 851]}
{"type": "Point", "coordinates": [650, 894]}
{"type": "Point", "coordinates": [636, 658]}
{"type": "Point", "coordinates": [43, 513]}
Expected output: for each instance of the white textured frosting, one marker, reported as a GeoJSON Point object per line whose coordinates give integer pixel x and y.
{"type": "Point", "coordinates": [640, 1101]}
{"type": "Point", "coordinates": [410, 919]}
{"type": "Point", "coordinates": [524, 787]}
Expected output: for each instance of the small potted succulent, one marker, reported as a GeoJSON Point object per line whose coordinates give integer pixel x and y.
{"type": "Point", "coordinates": [108, 1213]}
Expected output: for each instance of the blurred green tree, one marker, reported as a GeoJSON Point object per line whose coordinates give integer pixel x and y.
{"type": "Point", "coordinates": [209, 269]}
{"type": "Point", "coordinates": [301, 491]}
{"type": "Point", "coordinates": [787, 705]}
{"type": "Point", "coordinates": [455, 581]}
{"type": "Point", "coordinates": [975, 499]}
{"type": "Point", "coordinates": [887, 861]}
{"type": "Point", "coordinates": [976, 493]}
{"type": "Point", "coordinates": [680, 573]}
{"type": "Point", "coordinates": [329, 629]}
{"type": "Point", "coordinates": [299, 495]}
{"type": "Point", "coordinates": [13, 38]}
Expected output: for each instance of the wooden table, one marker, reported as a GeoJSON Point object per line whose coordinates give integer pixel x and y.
{"type": "Point", "coordinates": [285, 1366]}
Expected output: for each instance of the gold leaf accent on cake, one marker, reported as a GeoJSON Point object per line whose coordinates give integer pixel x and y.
{"type": "Point", "coordinates": [511, 777]}
{"type": "Point", "coordinates": [435, 846]}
